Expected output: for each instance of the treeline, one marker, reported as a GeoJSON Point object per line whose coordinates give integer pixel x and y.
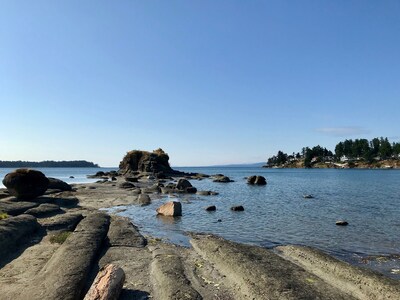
{"type": "Point", "coordinates": [316, 153]}
{"type": "Point", "coordinates": [360, 149]}
{"type": "Point", "coordinates": [377, 148]}
{"type": "Point", "coordinates": [48, 164]}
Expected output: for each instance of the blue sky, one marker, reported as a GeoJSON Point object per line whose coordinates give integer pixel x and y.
{"type": "Point", "coordinates": [210, 82]}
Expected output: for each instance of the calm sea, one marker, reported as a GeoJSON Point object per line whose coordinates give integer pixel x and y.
{"type": "Point", "coordinates": [277, 213]}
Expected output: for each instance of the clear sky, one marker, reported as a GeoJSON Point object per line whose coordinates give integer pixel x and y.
{"type": "Point", "coordinates": [210, 82]}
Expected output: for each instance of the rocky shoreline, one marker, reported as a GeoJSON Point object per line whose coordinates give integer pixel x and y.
{"type": "Point", "coordinates": [54, 245]}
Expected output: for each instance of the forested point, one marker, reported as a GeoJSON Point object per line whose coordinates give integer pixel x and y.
{"type": "Point", "coordinates": [48, 164]}
{"type": "Point", "coordinates": [348, 151]}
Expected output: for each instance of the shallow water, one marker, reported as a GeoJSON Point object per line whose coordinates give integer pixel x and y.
{"type": "Point", "coordinates": [278, 214]}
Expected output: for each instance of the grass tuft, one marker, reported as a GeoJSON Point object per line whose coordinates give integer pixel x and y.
{"type": "Point", "coordinates": [3, 215]}
{"type": "Point", "coordinates": [60, 238]}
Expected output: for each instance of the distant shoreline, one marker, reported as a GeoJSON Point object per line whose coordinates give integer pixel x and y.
{"type": "Point", "coordinates": [388, 164]}
{"type": "Point", "coordinates": [48, 164]}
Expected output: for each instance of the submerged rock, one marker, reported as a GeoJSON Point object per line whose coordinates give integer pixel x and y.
{"type": "Point", "coordinates": [26, 183]}
{"type": "Point", "coordinates": [342, 223]}
{"type": "Point", "coordinates": [206, 193]}
{"type": "Point", "coordinates": [237, 208]}
{"type": "Point", "coordinates": [170, 209]}
{"type": "Point", "coordinates": [222, 178]}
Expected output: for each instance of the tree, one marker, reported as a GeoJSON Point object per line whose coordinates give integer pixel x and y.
{"type": "Point", "coordinates": [385, 149]}
{"type": "Point", "coordinates": [339, 150]}
{"type": "Point", "coordinates": [396, 148]}
{"type": "Point", "coordinates": [281, 158]}
{"type": "Point", "coordinates": [375, 144]}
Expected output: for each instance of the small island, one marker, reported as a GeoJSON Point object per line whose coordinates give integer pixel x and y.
{"type": "Point", "coordinates": [48, 164]}
{"type": "Point", "coordinates": [378, 153]}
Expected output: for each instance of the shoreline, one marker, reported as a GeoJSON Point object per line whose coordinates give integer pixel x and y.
{"type": "Point", "coordinates": [147, 262]}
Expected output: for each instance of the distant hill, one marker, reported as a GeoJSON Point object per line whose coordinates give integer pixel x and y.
{"type": "Point", "coordinates": [48, 164]}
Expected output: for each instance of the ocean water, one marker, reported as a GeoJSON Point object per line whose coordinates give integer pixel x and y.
{"type": "Point", "coordinates": [277, 214]}
{"type": "Point", "coordinates": [64, 174]}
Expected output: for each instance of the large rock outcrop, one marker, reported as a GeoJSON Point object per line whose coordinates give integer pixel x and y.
{"type": "Point", "coordinates": [26, 183]}
{"type": "Point", "coordinates": [144, 161]}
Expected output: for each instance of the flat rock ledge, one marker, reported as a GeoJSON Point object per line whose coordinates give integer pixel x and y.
{"type": "Point", "coordinates": [66, 273]}
{"type": "Point", "coordinates": [15, 230]}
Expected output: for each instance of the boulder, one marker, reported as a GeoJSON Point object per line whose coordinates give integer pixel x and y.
{"type": "Point", "coordinates": [170, 209]}
{"type": "Point", "coordinates": [58, 184]}
{"type": "Point", "coordinates": [168, 190]}
{"type": "Point", "coordinates": [342, 223]}
{"type": "Point", "coordinates": [4, 194]}
{"type": "Point", "coordinates": [144, 199]}
{"type": "Point", "coordinates": [152, 189]}
{"type": "Point", "coordinates": [222, 179]}
{"type": "Point", "coordinates": [183, 184]}
{"type": "Point", "coordinates": [144, 161]}
{"type": "Point", "coordinates": [126, 185]}
{"type": "Point", "coordinates": [26, 183]}
{"type": "Point", "coordinates": [237, 208]}
{"type": "Point", "coordinates": [211, 208]}
{"type": "Point", "coordinates": [206, 193]}
{"type": "Point", "coordinates": [107, 284]}
{"type": "Point", "coordinates": [131, 179]}
{"type": "Point", "coordinates": [191, 190]}
{"type": "Point", "coordinates": [256, 180]}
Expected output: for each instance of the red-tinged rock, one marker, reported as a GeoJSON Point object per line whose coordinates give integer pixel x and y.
{"type": "Point", "coordinates": [107, 285]}
{"type": "Point", "coordinates": [170, 209]}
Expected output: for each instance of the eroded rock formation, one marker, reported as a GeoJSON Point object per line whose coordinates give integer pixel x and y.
{"type": "Point", "coordinates": [144, 161]}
